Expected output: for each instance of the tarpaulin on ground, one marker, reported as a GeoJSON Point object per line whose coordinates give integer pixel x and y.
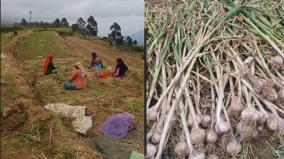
{"type": "Point", "coordinates": [117, 126]}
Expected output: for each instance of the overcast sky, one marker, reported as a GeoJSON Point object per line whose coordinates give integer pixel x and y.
{"type": "Point", "coordinates": [129, 14]}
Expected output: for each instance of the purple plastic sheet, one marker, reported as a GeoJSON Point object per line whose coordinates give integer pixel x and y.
{"type": "Point", "coordinates": [117, 126]}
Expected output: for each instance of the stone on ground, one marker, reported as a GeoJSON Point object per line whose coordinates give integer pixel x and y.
{"type": "Point", "coordinates": [118, 149]}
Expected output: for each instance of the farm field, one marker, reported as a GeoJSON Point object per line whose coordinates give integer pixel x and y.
{"type": "Point", "coordinates": [33, 131]}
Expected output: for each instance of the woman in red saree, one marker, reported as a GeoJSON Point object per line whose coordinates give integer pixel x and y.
{"type": "Point", "coordinates": [48, 66]}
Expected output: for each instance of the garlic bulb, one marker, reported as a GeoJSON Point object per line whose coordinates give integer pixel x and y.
{"type": "Point", "coordinates": [222, 126]}
{"type": "Point", "coordinates": [206, 121]}
{"type": "Point", "coordinates": [196, 155]}
{"type": "Point", "coordinates": [156, 137]}
{"type": "Point", "coordinates": [250, 114]}
{"type": "Point", "coordinates": [151, 151]}
{"type": "Point", "coordinates": [211, 136]}
{"type": "Point", "coordinates": [236, 105]}
{"type": "Point", "coordinates": [182, 149]}
{"type": "Point", "coordinates": [276, 62]}
{"type": "Point", "coordinates": [234, 147]}
{"type": "Point", "coordinates": [272, 123]}
{"type": "Point", "coordinates": [270, 93]}
{"type": "Point", "coordinates": [197, 135]}
{"type": "Point", "coordinates": [152, 113]}
{"type": "Point", "coordinates": [258, 83]}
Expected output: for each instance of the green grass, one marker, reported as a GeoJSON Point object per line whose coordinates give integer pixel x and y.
{"type": "Point", "coordinates": [8, 92]}
{"type": "Point", "coordinates": [61, 29]}
{"type": "Point", "coordinates": [134, 106]}
{"type": "Point", "coordinates": [5, 75]}
{"type": "Point", "coordinates": [64, 151]}
{"type": "Point", "coordinates": [5, 38]}
{"type": "Point", "coordinates": [38, 138]}
{"type": "Point", "coordinates": [8, 36]}
{"type": "Point", "coordinates": [32, 137]}
{"type": "Point", "coordinates": [40, 44]}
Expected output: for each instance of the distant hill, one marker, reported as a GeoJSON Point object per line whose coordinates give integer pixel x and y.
{"type": "Point", "coordinates": [139, 37]}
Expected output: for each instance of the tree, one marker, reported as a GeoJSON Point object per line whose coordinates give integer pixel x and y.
{"type": "Point", "coordinates": [64, 22]}
{"type": "Point", "coordinates": [119, 41]}
{"type": "Point", "coordinates": [115, 27]}
{"type": "Point", "coordinates": [92, 27]}
{"type": "Point", "coordinates": [24, 22]}
{"type": "Point", "coordinates": [81, 24]}
{"type": "Point", "coordinates": [75, 27]}
{"type": "Point", "coordinates": [128, 41]}
{"type": "Point", "coordinates": [56, 23]}
{"type": "Point", "coordinates": [115, 34]}
{"type": "Point", "coordinates": [134, 42]}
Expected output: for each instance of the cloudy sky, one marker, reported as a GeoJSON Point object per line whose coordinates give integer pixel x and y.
{"type": "Point", "coordinates": [127, 13]}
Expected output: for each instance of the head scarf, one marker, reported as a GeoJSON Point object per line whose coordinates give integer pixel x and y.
{"type": "Point", "coordinates": [81, 67]}
{"type": "Point", "coordinates": [48, 59]}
